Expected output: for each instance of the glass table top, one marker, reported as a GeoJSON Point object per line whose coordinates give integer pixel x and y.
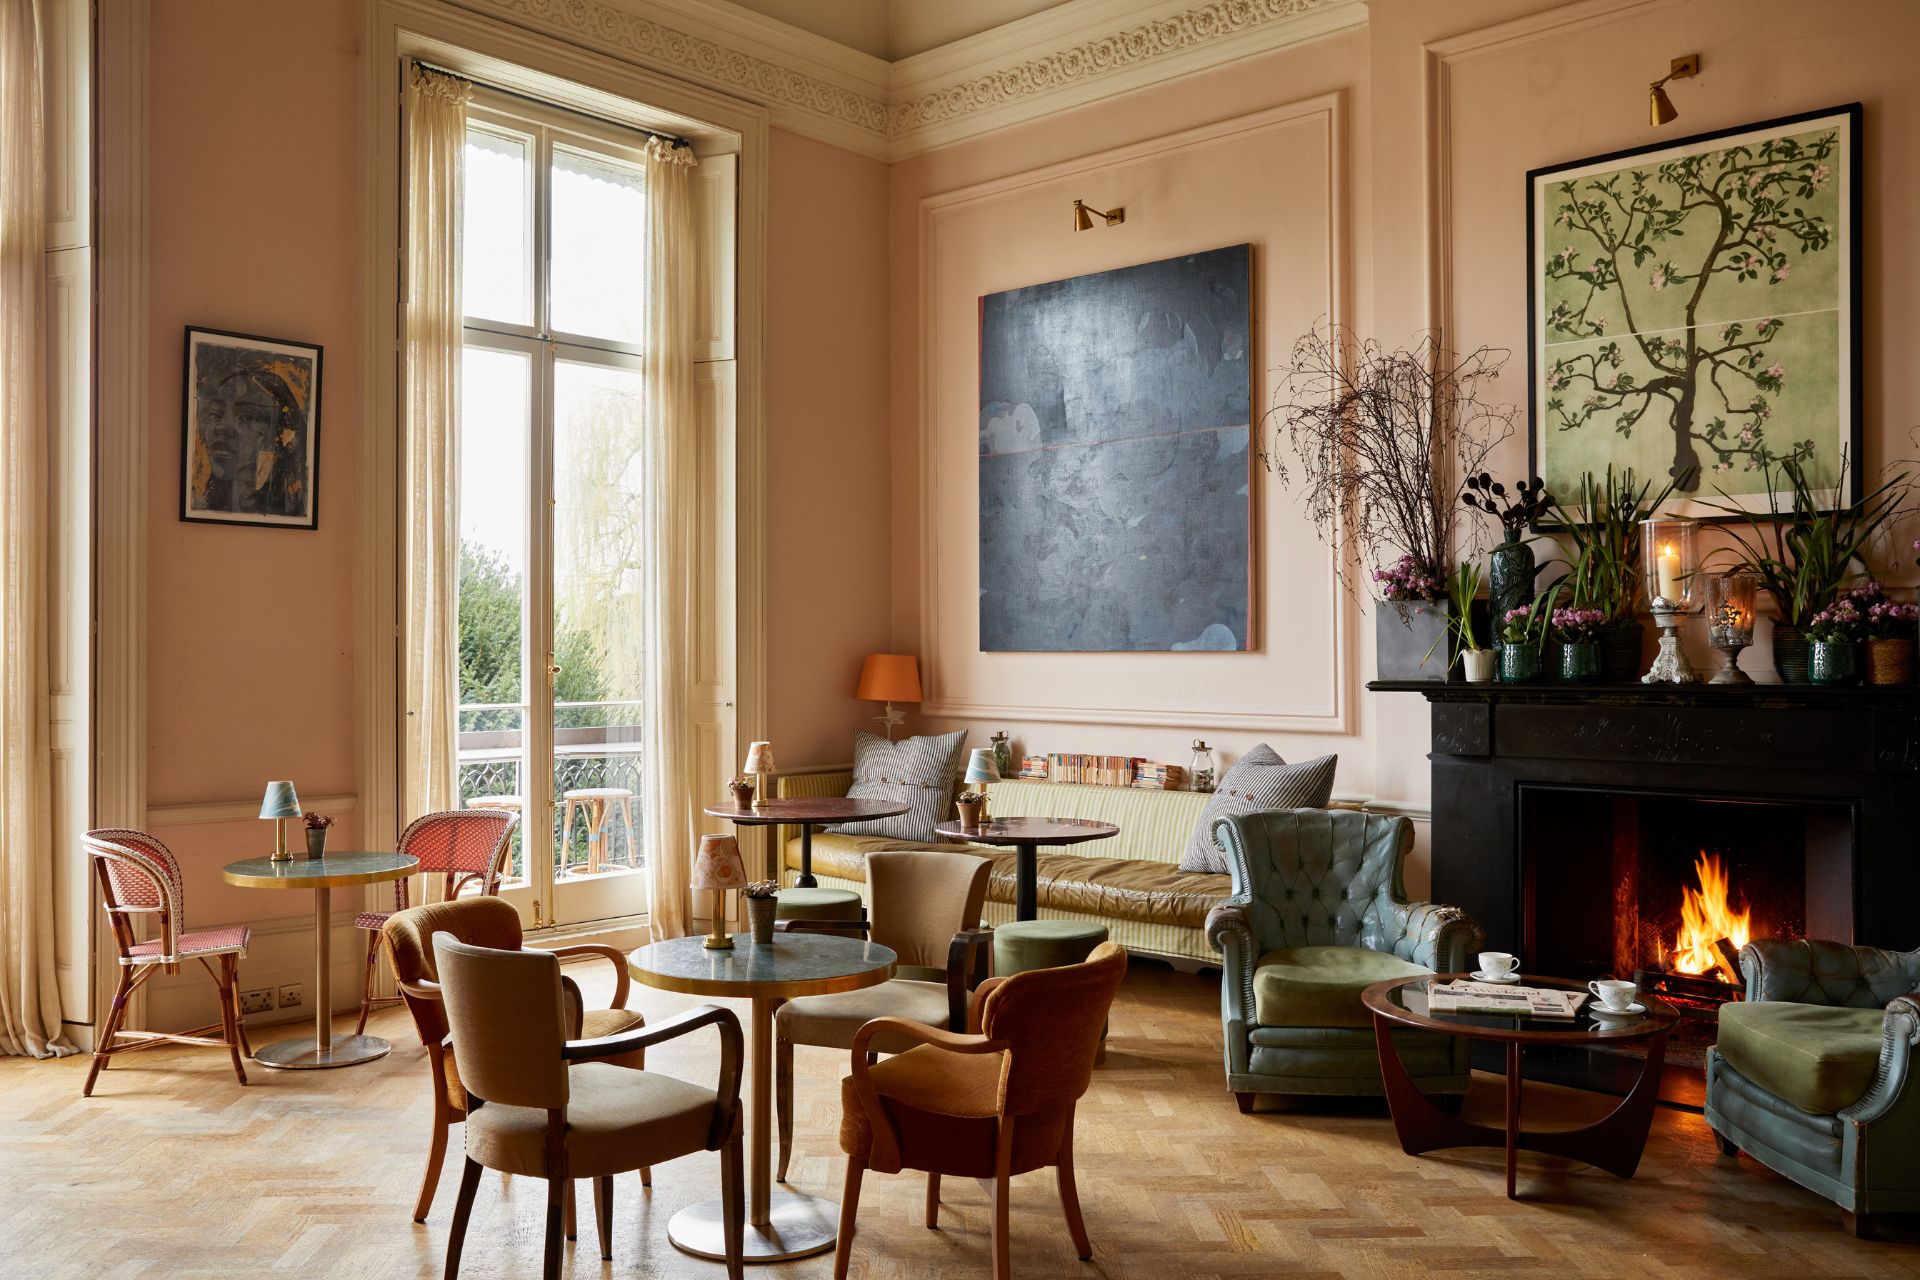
{"type": "Point", "coordinates": [1406, 1002]}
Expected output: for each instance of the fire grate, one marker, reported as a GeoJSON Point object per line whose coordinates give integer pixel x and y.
{"type": "Point", "coordinates": [1696, 996]}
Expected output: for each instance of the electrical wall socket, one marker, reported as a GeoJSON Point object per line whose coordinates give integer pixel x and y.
{"type": "Point", "coordinates": [290, 995]}
{"type": "Point", "coordinates": [260, 1001]}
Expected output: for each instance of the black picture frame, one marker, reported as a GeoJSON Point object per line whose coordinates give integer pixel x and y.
{"type": "Point", "coordinates": [250, 398]}
{"type": "Point", "coordinates": [1848, 118]}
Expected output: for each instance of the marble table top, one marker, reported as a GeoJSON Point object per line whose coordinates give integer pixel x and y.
{"type": "Point", "coordinates": [330, 872]}
{"type": "Point", "coordinates": [793, 964]}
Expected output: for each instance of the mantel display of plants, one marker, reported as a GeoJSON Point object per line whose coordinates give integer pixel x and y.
{"type": "Point", "coordinates": [1694, 309]}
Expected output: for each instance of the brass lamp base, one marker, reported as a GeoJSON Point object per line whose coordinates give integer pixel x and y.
{"type": "Point", "coordinates": [719, 939]}
{"type": "Point", "coordinates": [280, 853]}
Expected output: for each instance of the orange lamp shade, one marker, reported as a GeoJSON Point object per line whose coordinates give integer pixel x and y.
{"type": "Point", "coordinates": [889, 677]}
{"type": "Point", "coordinates": [718, 864]}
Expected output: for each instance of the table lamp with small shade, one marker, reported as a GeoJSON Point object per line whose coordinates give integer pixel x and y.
{"type": "Point", "coordinates": [279, 804]}
{"type": "Point", "coordinates": [889, 678]}
{"type": "Point", "coordinates": [981, 769]}
{"type": "Point", "coordinates": [760, 763]}
{"type": "Point", "coordinates": [718, 867]}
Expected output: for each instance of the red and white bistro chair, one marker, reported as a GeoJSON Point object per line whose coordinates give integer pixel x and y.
{"type": "Point", "coordinates": [140, 876]}
{"type": "Point", "coordinates": [464, 846]}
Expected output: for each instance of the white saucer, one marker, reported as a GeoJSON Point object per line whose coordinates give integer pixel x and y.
{"type": "Point", "coordinates": [1478, 976]}
{"type": "Point", "coordinates": [1599, 1010]}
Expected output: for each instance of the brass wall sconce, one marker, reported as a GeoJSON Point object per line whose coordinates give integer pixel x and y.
{"type": "Point", "coordinates": [1084, 214]}
{"type": "Point", "coordinates": [1659, 106]}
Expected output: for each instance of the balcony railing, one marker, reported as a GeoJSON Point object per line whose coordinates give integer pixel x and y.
{"type": "Point", "coordinates": [589, 757]}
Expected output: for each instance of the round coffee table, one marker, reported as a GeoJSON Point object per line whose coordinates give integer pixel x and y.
{"type": "Point", "coordinates": [787, 1224]}
{"type": "Point", "coordinates": [323, 876]}
{"type": "Point", "coordinates": [1026, 835]}
{"type": "Point", "coordinates": [804, 812]}
{"type": "Point", "coordinates": [1613, 1143]}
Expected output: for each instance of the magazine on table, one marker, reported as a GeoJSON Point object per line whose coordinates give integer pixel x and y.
{"type": "Point", "coordinates": [1463, 996]}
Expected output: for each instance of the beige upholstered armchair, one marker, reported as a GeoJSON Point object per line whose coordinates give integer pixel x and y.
{"type": "Point", "coordinates": [544, 1106]}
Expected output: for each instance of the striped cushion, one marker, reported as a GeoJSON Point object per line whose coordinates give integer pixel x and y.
{"type": "Point", "coordinates": [1259, 782]}
{"type": "Point", "coordinates": [918, 773]}
{"type": "Point", "coordinates": [1154, 825]}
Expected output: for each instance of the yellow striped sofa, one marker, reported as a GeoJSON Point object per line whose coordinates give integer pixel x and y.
{"type": "Point", "coordinates": [1132, 882]}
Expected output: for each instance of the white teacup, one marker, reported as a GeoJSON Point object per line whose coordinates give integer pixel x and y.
{"type": "Point", "coordinates": [1613, 993]}
{"type": "Point", "coordinates": [1499, 964]}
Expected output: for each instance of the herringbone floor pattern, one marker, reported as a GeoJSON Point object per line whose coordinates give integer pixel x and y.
{"type": "Point", "coordinates": [173, 1170]}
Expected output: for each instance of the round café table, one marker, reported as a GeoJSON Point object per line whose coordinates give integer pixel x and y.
{"type": "Point", "coordinates": [804, 812]}
{"type": "Point", "coordinates": [1026, 835]}
{"type": "Point", "coordinates": [323, 876]}
{"type": "Point", "coordinates": [785, 1224]}
{"type": "Point", "coordinates": [1614, 1143]}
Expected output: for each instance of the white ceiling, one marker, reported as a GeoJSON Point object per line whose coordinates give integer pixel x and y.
{"type": "Point", "coordinates": [896, 29]}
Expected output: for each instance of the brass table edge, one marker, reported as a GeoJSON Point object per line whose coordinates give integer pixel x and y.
{"type": "Point", "coordinates": [246, 881]}
{"type": "Point", "coordinates": [755, 990]}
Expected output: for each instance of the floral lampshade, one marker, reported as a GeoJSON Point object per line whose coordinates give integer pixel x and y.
{"type": "Point", "coordinates": [280, 801]}
{"type": "Point", "coordinates": [718, 864]}
{"type": "Point", "coordinates": [759, 758]}
{"type": "Point", "coordinates": [981, 766]}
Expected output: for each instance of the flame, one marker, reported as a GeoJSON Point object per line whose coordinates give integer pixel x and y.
{"type": "Point", "coordinates": [1706, 916]}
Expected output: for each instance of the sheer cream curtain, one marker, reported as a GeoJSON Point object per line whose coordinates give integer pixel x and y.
{"type": "Point", "coordinates": [29, 1000]}
{"type": "Point", "coordinates": [666, 806]}
{"type": "Point", "coordinates": [436, 150]}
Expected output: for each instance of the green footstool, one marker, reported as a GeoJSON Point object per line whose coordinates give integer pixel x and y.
{"type": "Point", "coordinates": [819, 904]}
{"type": "Point", "coordinates": [1046, 944]}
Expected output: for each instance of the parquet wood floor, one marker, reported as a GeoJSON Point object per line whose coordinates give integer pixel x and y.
{"type": "Point", "coordinates": [173, 1170]}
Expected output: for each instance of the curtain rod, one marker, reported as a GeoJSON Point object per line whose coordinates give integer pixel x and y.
{"type": "Point", "coordinates": [675, 139]}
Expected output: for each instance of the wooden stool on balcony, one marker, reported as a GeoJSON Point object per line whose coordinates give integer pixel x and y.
{"type": "Point", "coordinates": [594, 802]}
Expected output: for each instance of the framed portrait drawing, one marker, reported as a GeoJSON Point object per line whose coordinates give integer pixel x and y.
{"type": "Point", "coordinates": [250, 448]}
{"type": "Point", "coordinates": [1694, 313]}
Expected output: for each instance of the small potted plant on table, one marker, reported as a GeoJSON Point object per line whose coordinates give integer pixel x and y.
{"type": "Point", "coordinates": [972, 806]}
{"type": "Point", "coordinates": [742, 788]}
{"type": "Point", "coordinates": [1578, 631]}
{"type": "Point", "coordinates": [1833, 639]}
{"type": "Point", "coordinates": [318, 825]}
{"type": "Point", "coordinates": [763, 903]}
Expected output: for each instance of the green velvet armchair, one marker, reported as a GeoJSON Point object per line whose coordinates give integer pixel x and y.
{"type": "Point", "coordinates": [1812, 1075]}
{"type": "Point", "coordinates": [1319, 913]}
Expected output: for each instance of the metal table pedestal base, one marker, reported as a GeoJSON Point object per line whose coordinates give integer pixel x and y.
{"type": "Point", "coordinates": [797, 1225]}
{"type": "Point", "coordinates": [304, 1055]}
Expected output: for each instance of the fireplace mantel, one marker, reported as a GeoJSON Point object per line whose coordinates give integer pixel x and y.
{"type": "Point", "coordinates": [1856, 748]}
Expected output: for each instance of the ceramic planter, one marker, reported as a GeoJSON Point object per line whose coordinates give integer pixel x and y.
{"type": "Point", "coordinates": [1580, 663]}
{"type": "Point", "coordinates": [1519, 663]}
{"type": "Point", "coordinates": [1410, 640]}
{"type": "Point", "coordinates": [1477, 665]}
{"type": "Point", "coordinates": [760, 913]}
{"type": "Point", "coordinates": [1790, 652]}
{"type": "Point", "coordinates": [1890, 661]}
{"type": "Point", "coordinates": [1833, 662]}
{"type": "Point", "coordinates": [316, 842]}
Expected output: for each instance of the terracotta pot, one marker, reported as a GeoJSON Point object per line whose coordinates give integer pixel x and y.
{"type": "Point", "coordinates": [1890, 661]}
{"type": "Point", "coordinates": [742, 794]}
{"type": "Point", "coordinates": [972, 814]}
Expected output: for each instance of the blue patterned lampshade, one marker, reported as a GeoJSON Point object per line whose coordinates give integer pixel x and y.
{"type": "Point", "coordinates": [280, 801]}
{"type": "Point", "coordinates": [980, 766]}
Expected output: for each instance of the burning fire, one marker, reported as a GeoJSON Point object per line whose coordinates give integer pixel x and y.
{"type": "Point", "coordinates": [1707, 916]}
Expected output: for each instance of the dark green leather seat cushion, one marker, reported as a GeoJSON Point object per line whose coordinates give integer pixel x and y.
{"type": "Point", "coordinates": [1818, 1058]}
{"type": "Point", "coordinates": [1321, 986]}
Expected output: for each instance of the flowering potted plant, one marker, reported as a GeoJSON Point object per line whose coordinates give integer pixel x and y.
{"type": "Point", "coordinates": [973, 808]}
{"type": "Point", "coordinates": [317, 825]}
{"type": "Point", "coordinates": [1579, 634]}
{"type": "Point", "coordinates": [1519, 645]}
{"type": "Point", "coordinates": [1604, 526]}
{"type": "Point", "coordinates": [763, 903]}
{"type": "Point", "coordinates": [742, 788]}
{"type": "Point", "coordinates": [1833, 638]}
{"type": "Point", "coordinates": [1890, 641]}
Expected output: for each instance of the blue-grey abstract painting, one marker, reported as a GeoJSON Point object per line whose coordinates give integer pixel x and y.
{"type": "Point", "coordinates": [1114, 461]}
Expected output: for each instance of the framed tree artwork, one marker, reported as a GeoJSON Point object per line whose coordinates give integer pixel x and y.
{"type": "Point", "coordinates": [250, 448]}
{"type": "Point", "coordinates": [1694, 310]}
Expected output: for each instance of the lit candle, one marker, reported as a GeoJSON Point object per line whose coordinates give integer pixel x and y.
{"type": "Point", "coordinates": [1669, 566]}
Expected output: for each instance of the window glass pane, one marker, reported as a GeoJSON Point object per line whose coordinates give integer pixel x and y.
{"type": "Point", "coordinates": [495, 420]}
{"type": "Point", "coordinates": [598, 269]}
{"type": "Point", "coordinates": [599, 583]}
{"type": "Point", "coordinates": [496, 262]}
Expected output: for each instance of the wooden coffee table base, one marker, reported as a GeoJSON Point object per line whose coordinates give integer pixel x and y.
{"type": "Point", "coordinates": [1613, 1143]}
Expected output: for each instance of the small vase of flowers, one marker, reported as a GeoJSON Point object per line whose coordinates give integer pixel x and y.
{"type": "Point", "coordinates": [317, 826]}
{"type": "Point", "coordinates": [742, 789]}
{"type": "Point", "coordinates": [1579, 634]}
{"type": "Point", "coordinates": [1519, 646]}
{"type": "Point", "coordinates": [1891, 626]}
{"type": "Point", "coordinates": [763, 903]}
{"type": "Point", "coordinates": [1833, 640]}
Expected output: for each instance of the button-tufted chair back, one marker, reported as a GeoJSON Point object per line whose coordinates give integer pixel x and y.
{"type": "Point", "coordinates": [1320, 877]}
{"type": "Point", "coordinates": [1809, 971]}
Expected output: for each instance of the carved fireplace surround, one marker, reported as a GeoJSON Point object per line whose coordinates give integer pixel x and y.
{"type": "Point", "coordinates": [1845, 761]}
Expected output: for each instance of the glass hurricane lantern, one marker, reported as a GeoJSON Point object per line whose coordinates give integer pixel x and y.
{"type": "Point", "coordinates": [1667, 562]}
{"type": "Point", "coordinates": [1730, 599]}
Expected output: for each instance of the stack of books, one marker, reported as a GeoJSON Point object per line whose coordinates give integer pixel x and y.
{"type": "Point", "coordinates": [1157, 777]}
{"type": "Point", "coordinates": [1034, 767]}
{"type": "Point", "coordinates": [1462, 996]}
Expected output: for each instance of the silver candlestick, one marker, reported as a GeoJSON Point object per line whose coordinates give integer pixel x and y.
{"type": "Point", "coordinates": [1670, 665]}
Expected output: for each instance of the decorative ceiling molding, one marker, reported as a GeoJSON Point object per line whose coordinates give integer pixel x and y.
{"type": "Point", "coordinates": [986, 82]}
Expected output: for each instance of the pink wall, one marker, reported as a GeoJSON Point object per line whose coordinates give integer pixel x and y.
{"type": "Point", "coordinates": [827, 442]}
{"type": "Point", "coordinates": [254, 212]}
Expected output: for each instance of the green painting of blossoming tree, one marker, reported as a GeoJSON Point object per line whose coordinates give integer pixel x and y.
{"type": "Point", "coordinates": [1693, 312]}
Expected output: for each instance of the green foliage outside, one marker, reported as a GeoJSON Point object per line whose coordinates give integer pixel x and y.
{"type": "Point", "coordinates": [490, 649]}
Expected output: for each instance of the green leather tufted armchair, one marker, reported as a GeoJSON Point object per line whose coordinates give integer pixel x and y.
{"type": "Point", "coordinates": [1318, 913]}
{"type": "Point", "coordinates": [1812, 1073]}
